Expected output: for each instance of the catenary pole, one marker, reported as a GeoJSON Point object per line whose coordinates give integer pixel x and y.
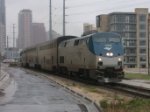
{"type": "Point", "coordinates": [13, 41]}
{"type": "Point", "coordinates": [7, 47]}
{"type": "Point", "coordinates": [50, 20]}
{"type": "Point", "coordinates": [64, 18]}
{"type": "Point", "coordinates": [148, 45]}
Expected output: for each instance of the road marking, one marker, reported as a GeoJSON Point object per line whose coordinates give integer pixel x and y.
{"type": "Point", "coordinates": [36, 100]}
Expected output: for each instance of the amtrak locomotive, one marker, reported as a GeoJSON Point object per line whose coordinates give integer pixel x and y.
{"type": "Point", "coordinates": [97, 56]}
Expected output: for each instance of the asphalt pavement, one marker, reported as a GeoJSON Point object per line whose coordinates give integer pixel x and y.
{"type": "Point", "coordinates": [33, 93]}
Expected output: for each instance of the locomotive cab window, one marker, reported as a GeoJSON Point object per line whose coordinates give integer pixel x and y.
{"type": "Point", "coordinates": [114, 39]}
{"type": "Point", "coordinates": [99, 39]}
{"type": "Point", "coordinates": [76, 42]}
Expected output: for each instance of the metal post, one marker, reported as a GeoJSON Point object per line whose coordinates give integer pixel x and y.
{"type": "Point", "coordinates": [148, 46]}
{"type": "Point", "coordinates": [50, 21]}
{"type": "Point", "coordinates": [7, 47]}
{"type": "Point", "coordinates": [64, 18]}
{"type": "Point", "coordinates": [0, 66]}
{"type": "Point", "coordinates": [13, 40]}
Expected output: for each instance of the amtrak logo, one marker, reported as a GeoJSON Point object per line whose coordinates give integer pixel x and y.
{"type": "Point", "coordinates": [107, 48]}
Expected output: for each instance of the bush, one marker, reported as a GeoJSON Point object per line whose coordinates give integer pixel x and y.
{"type": "Point", "coordinates": [104, 104]}
{"type": "Point", "coordinates": [139, 104]}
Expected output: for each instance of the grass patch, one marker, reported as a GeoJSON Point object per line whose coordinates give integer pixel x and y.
{"type": "Point", "coordinates": [137, 76]}
{"type": "Point", "coordinates": [120, 105]}
{"type": "Point", "coordinates": [68, 84]}
{"type": "Point", "coordinates": [104, 103]}
{"type": "Point", "coordinates": [94, 89]}
{"type": "Point", "coordinates": [73, 84]}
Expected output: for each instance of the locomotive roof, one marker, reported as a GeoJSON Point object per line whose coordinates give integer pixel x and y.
{"type": "Point", "coordinates": [91, 35]}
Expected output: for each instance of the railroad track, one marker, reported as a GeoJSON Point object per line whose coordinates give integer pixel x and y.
{"type": "Point", "coordinates": [133, 91]}
{"type": "Point", "coordinates": [119, 88]}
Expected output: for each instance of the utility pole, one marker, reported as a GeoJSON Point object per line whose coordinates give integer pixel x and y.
{"type": "Point", "coordinates": [7, 47]}
{"type": "Point", "coordinates": [13, 40]}
{"type": "Point", "coordinates": [64, 18]}
{"type": "Point", "coordinates": [50, 20]}
{"type": "Point", "coordinates": [148, 44]}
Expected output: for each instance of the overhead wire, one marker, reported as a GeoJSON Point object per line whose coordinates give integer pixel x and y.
{"type": "Point", "coordinates": [42, 10]}
{"type": "Point", "coordinates": [45, 17]}
{"type": "Point", "coordinates": [78, 21]}
{"type": "Point", "coordinates": [92, 12]}
{"type": "Point", "coordinates": [95, 3]}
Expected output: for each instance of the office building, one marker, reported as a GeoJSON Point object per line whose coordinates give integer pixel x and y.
{"type": "Point", "coordinates": [24, 29]}
{"type": "Point", "coordinates": [133, 27]}
{"type": "Point", "coordinates": [38, 33]}
{"type": "Point", "coordinates": [2, 26]}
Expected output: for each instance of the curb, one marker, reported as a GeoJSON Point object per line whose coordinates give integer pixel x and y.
{"type": "Point", "coordinates": [94, 103]}
{"type": "Point", "coordinates": [3, 77]}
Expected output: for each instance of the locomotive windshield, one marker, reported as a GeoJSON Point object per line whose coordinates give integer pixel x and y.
{"type": "Point", "coordinates": [114, 39]}
{"type": "Point", "coordinates": [103, 39]}
{"type": "Point", "coordinates": [99, 39]}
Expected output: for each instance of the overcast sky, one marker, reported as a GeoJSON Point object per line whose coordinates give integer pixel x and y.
{"type": "Point", "coordinates": [77, 12]}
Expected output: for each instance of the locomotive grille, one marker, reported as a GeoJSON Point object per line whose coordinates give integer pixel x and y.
{"type": "Point", "coordinates": [109, 69]}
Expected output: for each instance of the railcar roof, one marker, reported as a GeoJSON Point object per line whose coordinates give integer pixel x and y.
{"type": "Point", "coordinates": [48, 41]}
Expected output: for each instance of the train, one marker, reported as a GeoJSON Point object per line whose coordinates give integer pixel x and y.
{"type": "Point", "coordinates": [97, 56]}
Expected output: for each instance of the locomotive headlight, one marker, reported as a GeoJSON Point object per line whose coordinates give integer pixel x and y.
{"type": "Point", "coordinates": [111, 54]}
{"type": "Point", "coordinates": [108, 54]}
{"type": "Point", "coordinates": [119, 59]}
{"type": "Point", "coordinates": [100, 59]}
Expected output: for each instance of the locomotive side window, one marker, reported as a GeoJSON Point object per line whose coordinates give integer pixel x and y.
{"type": "Point", "coordinates": [76, 42]}
{"type": "Point", "coordinates": [99, 39]}
{"type": "Point", "coordinates": [65, 44]}
{"type": "Point", "coordinates": [114, 39]}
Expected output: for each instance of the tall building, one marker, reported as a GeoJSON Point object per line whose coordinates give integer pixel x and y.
{"type": "Point", "coordinates": [1, 39]}
{"type": "Point", "coordinates": [133, 27]}
{"type": "Point", "coordinates": [2, 25]}
{"type": "Point", "coordinates": [25, 28]}
{"type": "Point", "coordinates": [38, 33]}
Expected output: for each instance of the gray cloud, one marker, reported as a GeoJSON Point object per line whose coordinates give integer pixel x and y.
{"type": "Point", "coordinates": [85, 10]}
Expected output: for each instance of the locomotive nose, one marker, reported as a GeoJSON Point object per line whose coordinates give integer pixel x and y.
{"type": "Point", "coordinates": [116, 61]}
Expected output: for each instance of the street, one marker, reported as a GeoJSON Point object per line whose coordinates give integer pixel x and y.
{"type": "Point", "coordinates": [32, 93]}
